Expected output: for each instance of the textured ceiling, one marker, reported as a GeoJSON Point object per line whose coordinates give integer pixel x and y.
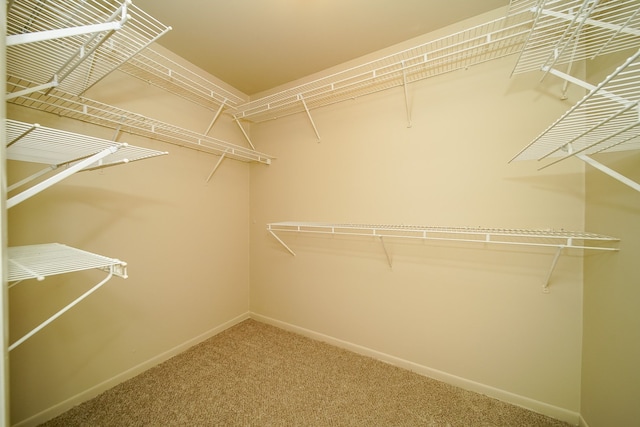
{"type": "Point", "coordinates": [255, 45]}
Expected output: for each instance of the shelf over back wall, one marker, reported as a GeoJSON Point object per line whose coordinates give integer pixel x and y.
{"type": "Point", "coordinates": [491, 40]}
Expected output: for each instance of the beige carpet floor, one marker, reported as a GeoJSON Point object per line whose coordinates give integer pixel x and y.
{"type": "Point", "coordinates": [254, 374]}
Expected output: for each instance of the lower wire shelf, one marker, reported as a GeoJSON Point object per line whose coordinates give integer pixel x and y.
{"type": "Point", "coordinates": [40, 261]}
{"type": "Point", "coordinates": [558, 239]}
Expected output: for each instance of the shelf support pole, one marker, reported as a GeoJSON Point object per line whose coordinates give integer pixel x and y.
{"type": "Point", "coordinates": [60, 312]}
{"type": "Point", "coordinates": [315, 129]}
{"type": "Point", "coordinates": [616, 175]}
{"type": "Point", "coordinates": [31, 178]}
{"type": "Point", "coordinates": [545, 285]}
{"type": "Point", "coordinates": [245, 134]}
{"type": "Point", "coordinates": [215, 117]}
{"type": "Point", "coordinates": [282, 243]}
{"type": "Point", "coordinates": [386, 252]}
{"type": "Point", "coordinates": [23, 134]}
{"type": "Point", "coordinates": [46, 86]}
{"type": "Point", "coordinates": [406, 95]}
{"type": "Point", "coordinates": [60, 176]}
{"type": "Point", "coordinates": [216, 166]}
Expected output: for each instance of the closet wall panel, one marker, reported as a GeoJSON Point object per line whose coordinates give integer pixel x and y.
{"type": "Point", "coordinates": [467, 311]}
{"type": "Point", "coordinates": [185, 241]}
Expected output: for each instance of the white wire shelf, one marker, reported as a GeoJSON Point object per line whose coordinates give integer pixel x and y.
{"type": "Point", "coordinates": [155, 68]}
{"type": "Point", "coordinates": [63, 150]}
{"type": "Point", "coordinates": [605, 120]}
{"type": "Point", "coordinates": [41, 261]}
{"type": "Point", "coordinates": [492, 40]}
{"type": "Point", "coordinates": [558, 239]}
{"type": "Point", "coordinates": [565, 31]}
{"type": "Point", "coordinates": [90, 111]}
{"type": "Point", "coordinates": [39, 144]}
{"type": "Point", "coordinates": [550, 238]}
{"type": "Point", "coordinates": [72, 44]}
{"type": "Point", "coordinates": [49, 259]}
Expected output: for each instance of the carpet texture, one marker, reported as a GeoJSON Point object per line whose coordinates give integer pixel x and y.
{"type": "Point", "coordinates": [254, 374]}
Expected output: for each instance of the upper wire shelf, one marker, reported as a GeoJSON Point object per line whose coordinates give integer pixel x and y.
{"type": "Point", "coordinates": [87, 110]}
{"type": "Point", "coordinates": [73, 44]}
{"type": "Point", "coordinates": [155, 68]}
{"type": "Point", "coordinates": [565, 31]}
{"type": "Point", "coordinates": [491, 40]}
{"type": "Point", "coordinates": [605, 120]}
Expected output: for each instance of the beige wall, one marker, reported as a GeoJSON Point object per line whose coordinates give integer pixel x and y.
{"type": "Point", "coordinates": [185, 242]}
{"type": "Point", "coordinates": [610, 373]}
{"type": "Point", "coordinates": [466, 313]}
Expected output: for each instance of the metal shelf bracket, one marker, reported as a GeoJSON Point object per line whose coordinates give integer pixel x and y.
{"type": "Point", "coordinates": [304, 103]}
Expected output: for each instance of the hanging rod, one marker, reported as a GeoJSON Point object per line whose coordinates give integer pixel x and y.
{"type": "Point", "coordinates": [559, 239]}
{"type": "Point", "coordinates": [74, 44]}
{"type": "Point", "coordinates": [90, 111]}
{"type": "Point", "coordinates": [491, 40]}
{"type": "Point", "coordinates": [565, 31]}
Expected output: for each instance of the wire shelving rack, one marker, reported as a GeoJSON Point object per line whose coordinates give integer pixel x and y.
{"type": "Point", "coordinates": [606, 118]}
{"type": "Point", "coordinates": [558, 239]}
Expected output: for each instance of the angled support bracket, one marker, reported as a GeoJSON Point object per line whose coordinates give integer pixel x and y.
{"type": "Point", "coordinates": [386, 252]}
{"type": "Point", "coordinates": [406, 95]}
{"type": "Point", "coordinates": [46, 86]}
{"type": "Point", "coordinates": [615, 175]}
{"type": "Point", "coordinates": [61, 312]}
{"type": "Point", "coordinates": [215, 168]}
{"type": "Point", "coordinates": [545, 285]}
{"type": "Point", "coordinates": [315, 129]}
{"type": "Point", "coordinates": [244, 133]}
{"type": "Point", "coordinates": [215, 117]}
{"type": "Point", "coordinates": [37, 188]}
{"type": "Point", "coordinates": [282, 243]}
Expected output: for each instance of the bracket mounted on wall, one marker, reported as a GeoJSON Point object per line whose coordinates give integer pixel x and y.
{"type": "Point", "coordinates": [40, 261]}
{"type": "Point", "coordinates": [560, 240]}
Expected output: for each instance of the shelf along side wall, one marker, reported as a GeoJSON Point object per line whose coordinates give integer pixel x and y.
{"type": "Point", "coordinates": [83, 109]}
{"type": "Point", "coordinates": [72, 45]}
{"type": "Point", "coordinates": [43, 260]}
{"type": "Point", "coordinates": [556, 239]}
{"type": "Point", "coordinates": [604, 120]}
{"type": "Point", "coordinates": [64, 153]}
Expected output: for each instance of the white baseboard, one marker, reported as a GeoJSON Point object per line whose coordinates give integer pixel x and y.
{"type": "Point", "coordinates": [92, 392]}
{"type": "Point", "coordinates": [534, 405]}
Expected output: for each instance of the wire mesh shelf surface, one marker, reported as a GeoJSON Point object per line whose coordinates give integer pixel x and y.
{"type": "Point", "coordinates": [81, 41]}
{"type": "Point", "coordinates": [605, 120]}
{"type": "Point", "coordinates": [554, 238]}
{"type": "Point", "coordinates": [40, 261]}
{"type": "Point", "coordinates": [90, 111]}
{"type": "Point", "coordinates": [157, 69]}
{"type": "Point", "coordinates": [40, 144]}
{"type": "Point", "coordinates": [491, 40]}
{"type": "Point", "coordinates": [566, 31]}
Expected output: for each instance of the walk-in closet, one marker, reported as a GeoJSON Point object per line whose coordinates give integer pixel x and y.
{"type": "Point", "coordinates": [461, 202]}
